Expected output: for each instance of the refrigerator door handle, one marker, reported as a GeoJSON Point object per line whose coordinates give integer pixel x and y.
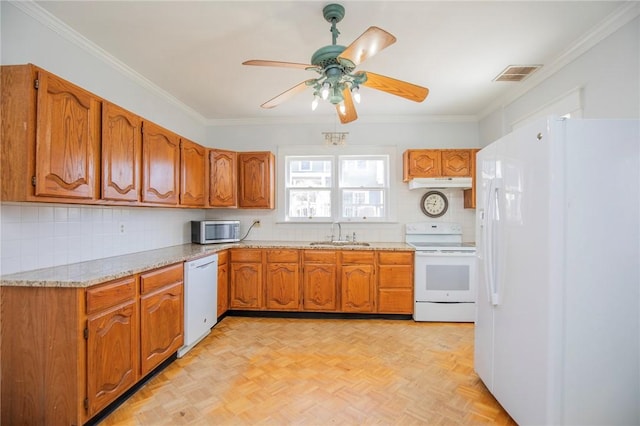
{"type": "Point", "coordinates": [486, 245]}
{"type": "Point", "coordinates": [494, 216]}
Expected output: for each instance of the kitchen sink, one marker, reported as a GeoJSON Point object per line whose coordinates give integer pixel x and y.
{"type": "Point", "coordinates": [339, 243]}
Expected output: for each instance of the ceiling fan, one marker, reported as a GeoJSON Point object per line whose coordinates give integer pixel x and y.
{"type": "Point", "coordinates": [338, 82]}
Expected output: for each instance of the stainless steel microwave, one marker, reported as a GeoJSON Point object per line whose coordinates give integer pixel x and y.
{"type": "Point", "coordinates": [215, 231]}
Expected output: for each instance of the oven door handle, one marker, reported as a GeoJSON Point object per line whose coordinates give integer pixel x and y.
{"type": "Point", "coordinates": [445, 254]}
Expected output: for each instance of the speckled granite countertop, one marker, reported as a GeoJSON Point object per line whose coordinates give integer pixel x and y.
{"type": "Point", "coordinates": [85, 274]}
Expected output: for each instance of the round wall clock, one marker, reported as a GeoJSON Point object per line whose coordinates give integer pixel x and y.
{"type": "Point", "coordinates": [434, 204]}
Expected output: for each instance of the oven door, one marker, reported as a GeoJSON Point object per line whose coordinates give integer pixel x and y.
{"type": "Point", "coordinates": [445, 277]}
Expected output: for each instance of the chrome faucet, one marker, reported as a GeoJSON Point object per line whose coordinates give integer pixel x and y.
{"type": "Point", "coordinates": [339, 231]}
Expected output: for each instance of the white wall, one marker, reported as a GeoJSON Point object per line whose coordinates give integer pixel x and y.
{"type": "Point", "coordinates": [27, 40]}
{"type": "Point", "coordinates": [34, 236]}
{"type": "Point", "coordinates": [401, 135]}
{"type": "Point", "coordinates": [607, 77]}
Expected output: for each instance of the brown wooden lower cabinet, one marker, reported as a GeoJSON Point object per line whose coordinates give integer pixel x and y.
{"type": "Point", "coordinates": [395, 282]}
{"type": "Point", "coordinates": [112, 342]}
{"type": "Point", "coordinates": [223, 282]}
{"type": "Point", "coordinates": [245, 282]}
{"type": "Point", "coordinates": [282, 280]}
{"type": "Point", "coordinates": [357, 281]}
{"type": "Point", "coordinates": [319, 280]}
{"type": "Point", "coordinates": [161, 315]}
{"type": "Point", "coordinates": [75, 350]}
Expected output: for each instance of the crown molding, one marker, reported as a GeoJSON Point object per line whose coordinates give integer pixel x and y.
{"type": "Point", "coordinates": [331, 119]}
{"type": "Point", "coordinates": [31, 8]}
{"type": "Point", "coordinates": [616, 20]}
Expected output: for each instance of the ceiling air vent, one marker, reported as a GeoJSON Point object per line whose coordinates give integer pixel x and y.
{"type": "Point", "coordinates": [516, 72]}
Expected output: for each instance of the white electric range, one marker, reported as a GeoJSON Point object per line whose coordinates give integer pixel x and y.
{"type": "Point", "coordinates": [445, 272]}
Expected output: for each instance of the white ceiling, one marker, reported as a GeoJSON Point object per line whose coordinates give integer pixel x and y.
{"type": "Point", "coordinates": [194, 50]}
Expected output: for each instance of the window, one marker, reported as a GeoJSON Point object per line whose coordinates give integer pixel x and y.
{"type": "Point", "coordinates": [349, 187]}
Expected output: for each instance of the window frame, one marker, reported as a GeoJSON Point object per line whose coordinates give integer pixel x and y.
{"type": "Point", "coordinates": [335, 152]}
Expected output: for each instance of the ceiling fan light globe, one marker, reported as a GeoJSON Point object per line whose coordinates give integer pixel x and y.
{"type": "Point", "coordinates": [356, 94]}
{"type": "Point", "coordinates": [325, 91]}
{"type": "Point", "coordinates": [314, 103]}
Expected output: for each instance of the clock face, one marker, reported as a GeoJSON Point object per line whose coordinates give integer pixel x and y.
{"type": "Point", "coordinates": [434, 204]}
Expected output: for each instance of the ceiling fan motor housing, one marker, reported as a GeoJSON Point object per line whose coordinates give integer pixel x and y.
{"type": "Point", "coordinates": [326, 56]}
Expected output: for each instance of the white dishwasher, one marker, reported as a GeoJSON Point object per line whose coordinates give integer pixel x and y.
{"type": "Point", "coordinates": [200, 300]}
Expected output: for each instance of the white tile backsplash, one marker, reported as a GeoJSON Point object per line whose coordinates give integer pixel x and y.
{"type": "Point", "coordinates": [407, 206]}
{"type": "Point", "coordinates": [34, 236]}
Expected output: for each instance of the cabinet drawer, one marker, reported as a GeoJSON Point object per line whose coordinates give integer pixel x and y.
{"type": "Point", "coordinates": [246, 255]}
{"type": "Point", "coordinates": [110, 294]}
{"type": "Point", "coordinates": [396, 276]}
{"type": "Point", "coordinates": [320, 256]}
{"type": "Point", "coordinates": [161, 277]}
{"type": "Point", "coordinates": [364, 257]}
{"type": "Point", "coordinates": [395, 301]}
{"type": "Point", "coordinates": [395, 258]}
{"type": "Point", "coordinates": [223, 257]}
{"type": "Point", "coordinates": [282, 256]}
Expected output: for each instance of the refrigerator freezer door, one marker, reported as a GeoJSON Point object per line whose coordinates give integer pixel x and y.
{"type": "Point", "coordinates": [483, 348]}
{"type": "Point", "coordinates": [522, 238]}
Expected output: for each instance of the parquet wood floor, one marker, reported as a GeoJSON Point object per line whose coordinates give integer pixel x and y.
{"type": "Point", "coordinates": [276, 371]}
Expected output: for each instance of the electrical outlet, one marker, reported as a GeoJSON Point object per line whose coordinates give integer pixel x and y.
{"type": "Point", "coordinates": [122, 228]}
{"type": "Point", "coordinates": [256, 223]}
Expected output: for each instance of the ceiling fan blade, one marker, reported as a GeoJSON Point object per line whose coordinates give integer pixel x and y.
{"type": "Point", "coordinates": [261, 63]}
{"type": "Point", "coordinates": [350, 109]}
{"type": "Point", "coordinates": [395, 87]}
{"type": "Point", "coordinates": [286, 95]}
{"type": "Point", "coordinates": [372, 41]}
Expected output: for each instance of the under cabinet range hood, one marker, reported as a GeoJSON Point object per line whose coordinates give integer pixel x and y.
{"type": "Point", "coordinates": [440, 182]}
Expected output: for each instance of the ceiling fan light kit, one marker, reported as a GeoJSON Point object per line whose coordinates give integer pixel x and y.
{"type": "Point", "coordinates": [338, 83]}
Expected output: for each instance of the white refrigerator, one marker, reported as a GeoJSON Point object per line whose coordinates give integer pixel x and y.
{"type": "Point", "coordinates": [557, 331]}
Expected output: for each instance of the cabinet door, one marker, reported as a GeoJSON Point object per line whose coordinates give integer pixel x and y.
{"type": "Point", "coordinates": [192, 173]}
{"type": "Point", "coordinates": [421, 163]}
{"type": "Point", "coordinates": [283, 286]}
{"type": "Point", "coordinates": [161, 325]}
{"type": "Point", "coordinates": [223, 188]}
{"type": "Point", "coordinates": [456, 162]}
{"type": "Point", "coordinates": [223, 287]}
{"type": "Point", "coordinates": [112, 354]}
{"type": "Point", "coordinates": [121, 154]}
{"type": "Point", "coordinates": [67, 140]}
{"type": "Point", "coordinates": [320, 290]}
{"type": "Point", "coordinates": [160, 165]}
{"type": "Point", "coordinates": [357, 288]}
{"type": "Point", "coordinates": [470, 194]}
{"type": "Point", "coordinates": [245, 286]}
{"type": "Point", "coordinates": [256, 180]}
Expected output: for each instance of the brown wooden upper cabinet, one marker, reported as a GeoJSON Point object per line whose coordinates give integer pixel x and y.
{"type": "Point", "coordinates": [223, 188]}
{"type": "Point", "coordinates": [160, 165]}
{"type": "Point", "coordinates": [50, 138]}
{"type": "Point", "coordinates": [470, 194]}
{"type": "Point", "coordinates": [193, 169]}
{"type": "Point", "coordinates": [424, 163]}
{"type": "Point", "coordinates": [121, 153]}
{"type": "Point", "coordinates": [256, 180]}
